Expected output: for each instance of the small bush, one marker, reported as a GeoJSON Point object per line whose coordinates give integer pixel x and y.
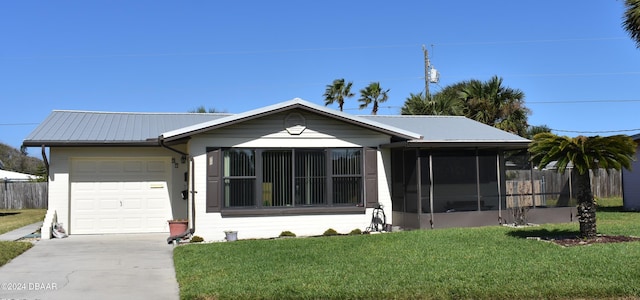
{"type": "Point", "coordinates": [330, 232]}
{"type": "Point", "coordinates": [287, 233]}
{"type": "Point", "coordinates": [196, 239]}
{"type": "Point", "coordinates": [355, 231]}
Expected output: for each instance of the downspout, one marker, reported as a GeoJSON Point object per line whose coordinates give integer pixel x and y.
{"type": "Point", "coordinates": [499, 171]}
{"type": "Point", "coordinates": [46, 161]}
{"type": "Point", "coordinates": [193, 196]}
{"type": "Point", "coordinates": [478, 196]}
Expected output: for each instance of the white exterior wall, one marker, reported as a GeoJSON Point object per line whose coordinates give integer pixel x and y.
{"type": "Point", "coordinates": [59, 178]}
{"type": "Point", "coordinates": [631, 185]}
{"type": "Point", "coordinates": [269, 132]}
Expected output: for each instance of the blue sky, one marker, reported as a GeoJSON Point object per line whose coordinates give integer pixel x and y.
{"type": "Point", "coordinates": [576, 65]}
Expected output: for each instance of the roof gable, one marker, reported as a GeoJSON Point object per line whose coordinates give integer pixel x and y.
{"type": "Point", "coordinates": [296, 103]}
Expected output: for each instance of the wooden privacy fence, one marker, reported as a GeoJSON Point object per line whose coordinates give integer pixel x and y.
{"type": "Point", "coordinates": [521, 185]}
{"type": "Point", "coordinates": [21, 195]}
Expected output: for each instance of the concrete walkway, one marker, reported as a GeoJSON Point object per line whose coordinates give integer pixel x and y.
{"type": "Point", "coordinates": [123, 266]}
{"type": "Point", "coordinates": [20, 232]}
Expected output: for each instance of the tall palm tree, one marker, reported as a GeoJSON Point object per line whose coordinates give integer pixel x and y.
{"type": "Point", "coordinates": [585, 153]}
{"type": "Point", "coordinates": [493, 104]}
{"type": "Point", "coordinates": [338, 91]}
{"type": "Point", "coordinates": [203, 110]}
{"type": "Point", "coordinates": [631, 20]}
{"type": "Point", "coordinates": [373, 93]}
{"type": "Point", "coordinates": [437, 104]}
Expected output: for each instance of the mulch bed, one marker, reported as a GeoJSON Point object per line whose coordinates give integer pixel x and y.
{"type": "Point", "coordinates": [568, 241]}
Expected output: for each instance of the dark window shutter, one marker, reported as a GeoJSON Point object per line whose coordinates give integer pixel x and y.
{"type": "Point", "coordinates": [371, 176]}
{"type": "Point", "coordinates": [213, 180]}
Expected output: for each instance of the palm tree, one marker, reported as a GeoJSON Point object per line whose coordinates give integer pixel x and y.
{"type": "Point", "coordinates": [631, 20]}
{"type": "Point", "coordinates": [202, 110]}
{"type": "Point", "coordinates": [337, 92]}
{"type": "Point", "coordinates": [487, 102]}
{"type": "Point", "coordinates": [493, 104]}
{"type": "Point", "coordinates": [585, 153]}
{"type": "Point", "coordinates": [373, 93]}
{"type": "Point", "coordinates": [533, 130]}
{"type": "Point", "coordinates": [437, 104]}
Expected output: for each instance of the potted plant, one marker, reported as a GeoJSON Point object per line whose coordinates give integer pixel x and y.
{"type": "Point", "coordinates": [177, 227]}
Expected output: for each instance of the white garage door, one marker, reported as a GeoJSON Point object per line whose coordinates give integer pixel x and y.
{"type": "Point", "coordinates": [124, 195]}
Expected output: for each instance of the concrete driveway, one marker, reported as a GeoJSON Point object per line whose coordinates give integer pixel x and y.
{"type": "Point", "coordinates": [125, 266]}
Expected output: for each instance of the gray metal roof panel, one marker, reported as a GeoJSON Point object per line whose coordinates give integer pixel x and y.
{"type": "Point", "coordinates": [85, 127]}
{"type": "Point", "coordinates": [448, 128]}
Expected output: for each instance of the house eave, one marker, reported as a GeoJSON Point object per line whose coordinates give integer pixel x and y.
{"type": "Point", "coordinates": [147, 143]}
{"type": "Point", "coordinates": [468, 144]}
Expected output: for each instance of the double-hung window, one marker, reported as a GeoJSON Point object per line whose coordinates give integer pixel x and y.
{"type": "Point", "coordinates": [239, 170]}
{"type": "Point", "coordinates": [346, 176]}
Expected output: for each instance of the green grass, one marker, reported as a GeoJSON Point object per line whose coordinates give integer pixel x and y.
{"type": "Point", "coordinates": [14, 219]}
{"type": "Point", "coordinates": [9, 250]}
{"type": "Point", "coordinates": [478, 263]}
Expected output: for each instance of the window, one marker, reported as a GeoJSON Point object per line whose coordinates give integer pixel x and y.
{"type": "Point", "coordinates": [346, 171]}
{"type": "Point", "coordinates": [287, 178]}
{"type": "Point", "coordinates": [310, 177]}
{"type": "Point", "coordinates": [239, 178]}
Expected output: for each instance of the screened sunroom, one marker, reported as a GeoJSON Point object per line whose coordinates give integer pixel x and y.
{"type": "Point", "coordinates": [457, 187]}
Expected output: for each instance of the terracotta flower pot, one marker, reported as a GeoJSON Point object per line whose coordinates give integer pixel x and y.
{"type": "Point", "coordinates": [177, 227]}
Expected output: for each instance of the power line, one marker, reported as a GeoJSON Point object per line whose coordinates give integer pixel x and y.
{"type": "Point", "coordinates": [529, 41]}
{"type": "Point", "coordinates": [580, 101]}
{"type": "Point", "coordinates": [601, 131]}
{"type": "Point", "coordinates": [246, 52]}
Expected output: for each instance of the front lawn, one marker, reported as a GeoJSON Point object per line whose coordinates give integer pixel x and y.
{"type": "Point", "coordinates": [10, 250]}
{"type": "Point", "coordinates": [479, 263]}
{"type": "Point", "coordinates": [14, 219]}
{"type": "Point", "coordinates": [11, 219]}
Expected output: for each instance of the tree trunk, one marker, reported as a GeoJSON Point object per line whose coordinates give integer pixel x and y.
{"type": "Point", "coordinates": [586, 206]}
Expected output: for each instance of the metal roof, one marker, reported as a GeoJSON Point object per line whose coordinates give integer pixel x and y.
{"type": "Point", "coordinates": [452, 130]}
{"type": "Point", "coordinates": [296, 103]}
{"type": "Point", "coordinates": [99, 128]}
{"type": "Point", "coordinates": [15, 176]}
{"type": "Point", "coordinates": [76, 128]}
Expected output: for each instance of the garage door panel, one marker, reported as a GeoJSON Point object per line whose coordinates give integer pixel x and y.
{"type": "Point", "coordinates": [110, 166]}
{"type": "Point", "coordinates": [109, 205]}
{"type": "Point", "coordinates": [132, 205]}
{"type": "Point", "coordinates": [128, 196]}
{"type": "Point", "coordinates": [133, 166]}
{"type": "Point", "coordinates": [85, 204]}
{"type": "Point", "coordinates": [132, 186]}
{"type": "Point", "coordinates": [132, 223]}
{"type": "Point", "coordinates": [86, 166]}
{"type": "Point", "coordinates": [156, 166]}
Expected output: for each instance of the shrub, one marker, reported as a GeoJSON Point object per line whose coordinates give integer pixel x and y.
{"type": "Point", "coordinates": [355, 231]}
{"type": "Point", "coordinates": [287, 233]}
{"type": "Point", "coordinates": [330, 232]}
{"type": "Point", "coordinates": [196, 239]}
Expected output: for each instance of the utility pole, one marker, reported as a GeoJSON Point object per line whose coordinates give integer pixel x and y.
{"type": "Point", "coordinates": [426, 71]}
